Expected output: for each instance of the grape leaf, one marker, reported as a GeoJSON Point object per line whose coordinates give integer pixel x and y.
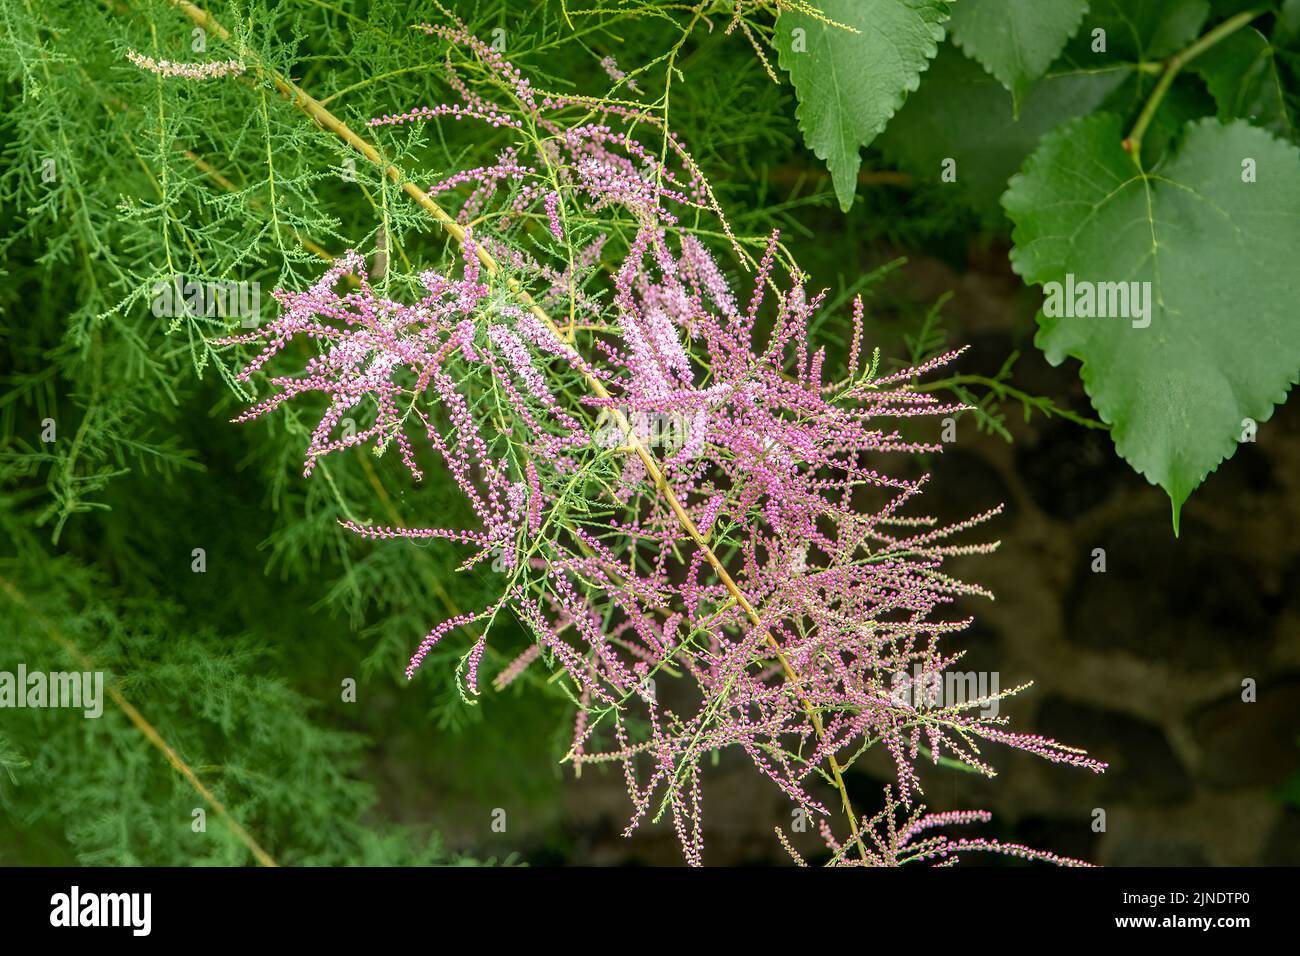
{"type": "Point", "coordinates": [1139, 30]}
{"type": "Point", "coordinates": [962, 113]}
{"type": "Point", "coordinates": [1286, 29]}
{"type": "Point", "coordinates": [1221, 345]}
{"type": "Point", "coordinates": [1242, 74]}
{"type": "Point", "coordinates": [1016, 40]}
{"type": "Point", "coordinates": [1227, 8]}
{"type": "Point", "coordinates": [849, 82]}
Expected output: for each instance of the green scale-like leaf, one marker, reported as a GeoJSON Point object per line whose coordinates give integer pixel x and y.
{"type": "Point", "coordinates": [1223, 343]}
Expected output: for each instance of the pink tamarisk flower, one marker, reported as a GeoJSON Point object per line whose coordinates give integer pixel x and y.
{"type": "Point", "coordinates": [894, 837]}
{"type": "Point", "coordinates": [610, 66]}
{"type": "Point", "coordinates": [553, 214]}
{"type": "Point", "coordinates": [598, 160]}
{"type": "Point", "coordinates": [187, 71]}
{"type": "Point", "coordinates": [757, 550]}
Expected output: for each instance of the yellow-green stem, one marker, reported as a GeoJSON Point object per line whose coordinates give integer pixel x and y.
{"type": "Point", "coordinates": [1133, 143]}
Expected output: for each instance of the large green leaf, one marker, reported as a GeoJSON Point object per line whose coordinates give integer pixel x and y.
{"type": "Point", "coordinates": [1222, 344]}
{"type": "Point", "coordinates": [851, 81]}
{"type": "Point", "coordinates": [1242, 74]}
{"type": "Point", "coordinates": [1016, 40]}
{"type": "Point", "coordinates": [962, 113]}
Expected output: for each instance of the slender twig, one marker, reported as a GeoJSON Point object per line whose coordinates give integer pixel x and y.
{"type": "Point", "coordinates": [147, 729]}
{"type": "Point", "coordinates": [1133, 143]}
{"type": "Point", "coordinates": [1004, 391]}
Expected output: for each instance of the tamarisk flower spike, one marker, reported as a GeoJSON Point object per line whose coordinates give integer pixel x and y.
{"type": "Point", "coordinates": [187, 71]}
{"type": "Point", "coordinates": [900, 834]}
{"type": "Point", "coordinates": [765, 555]}
{"type": "Point", "coordinates": [610, 66]}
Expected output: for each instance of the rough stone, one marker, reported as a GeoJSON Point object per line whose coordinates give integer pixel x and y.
{"type": "Point", "coordinates": [1188, 601]}
{"type": "Point", "coordinates": [1144, 770]}
{"type": "Point", "coordinates": [1251, 744]}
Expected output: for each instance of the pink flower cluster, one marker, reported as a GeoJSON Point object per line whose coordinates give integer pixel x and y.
{"type": "Point", "coordinates": [610, 66]}
{"type": "Point", "coordinates": [187, 71]}
{"type": "Point", "coordinates": [595, 163]}
{"type": "Point", "coordinates": [771, 563]}
{"type": "Point", "coordinates": [402, 360]}
{"type": "Point", "coordinates": [901, 834]}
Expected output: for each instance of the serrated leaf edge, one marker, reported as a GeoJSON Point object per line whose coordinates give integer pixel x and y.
{"type": "Point", "coordinates": [1086, 372]}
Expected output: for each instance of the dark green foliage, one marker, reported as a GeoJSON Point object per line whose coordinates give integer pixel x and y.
{"type": "Point", "coordinates": [94, 790]}
{"type": "Point", "coordinates": [221, 180]}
